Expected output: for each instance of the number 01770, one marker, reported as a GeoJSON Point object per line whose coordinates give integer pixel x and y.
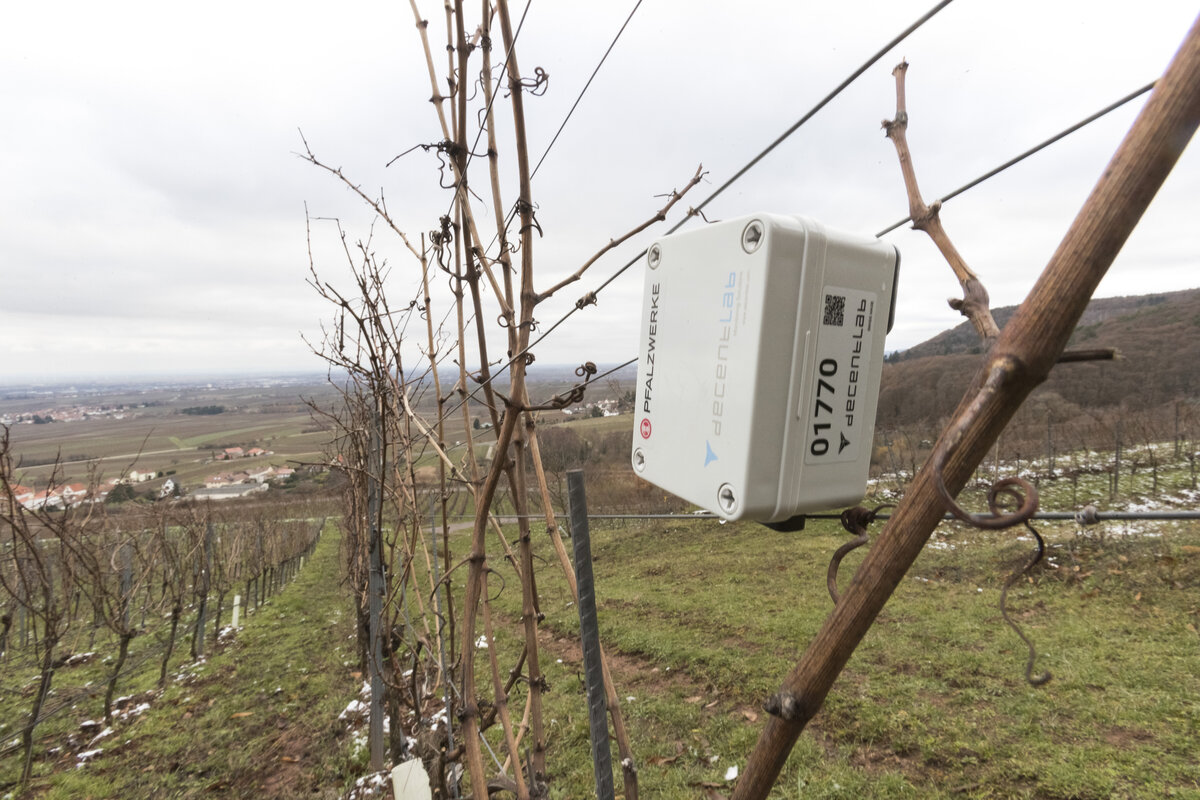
{"type": "Point", "coordinates": [825, 392]}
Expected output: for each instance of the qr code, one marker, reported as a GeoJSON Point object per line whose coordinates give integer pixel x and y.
{"type": "Point", "coordinates": [835, 310]}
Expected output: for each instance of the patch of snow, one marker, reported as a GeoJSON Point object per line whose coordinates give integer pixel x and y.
{"type": "Point", "coordinates": [372, 785]}
{"type": "Point", "coordinates": [356, 709]}
{"type": "Point", "coordinates": [87, 756]}
{"type": "Point", "coordinates": [137, 710]}
{"type": "Point", "coordinates": [100, 735]}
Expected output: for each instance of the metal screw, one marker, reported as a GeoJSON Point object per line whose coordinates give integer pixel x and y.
{"type": "Point", "coordinates": [654, 256]}
{"type": "Point", "coordinates": [752, 235]}
{"type": "Point", "coordinates": [639, 459]}
{"type": "Point", "coordinates": [726, 498]}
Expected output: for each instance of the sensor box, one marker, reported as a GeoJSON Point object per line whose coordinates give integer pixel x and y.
{"type": "Point", "coordinates": [759, 364]}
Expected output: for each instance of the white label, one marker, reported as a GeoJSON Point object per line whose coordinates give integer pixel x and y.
{"type": "Point", "coordinates": [838, 391]}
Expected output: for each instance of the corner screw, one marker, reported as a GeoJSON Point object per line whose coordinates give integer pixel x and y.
{"type": "Point", "coordinates": [752, 235]}
{"type": "Point", "coordinates": [726, 498]}
{"type": "Point", "coordinates": [639, 460]}
{"type": "Point", "coordinates": [654, 256]}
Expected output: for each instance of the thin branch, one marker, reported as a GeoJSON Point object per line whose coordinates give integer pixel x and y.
{"type": "Point", "coordinates": [659, 216]}
{"type": "Point", "coordinates": [974, 304]}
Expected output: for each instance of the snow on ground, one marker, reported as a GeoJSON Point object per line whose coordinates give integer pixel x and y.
{"type": "Point", "coordinates": [87, 756]}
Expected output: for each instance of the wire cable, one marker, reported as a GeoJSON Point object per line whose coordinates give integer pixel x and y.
{"type": "Point", "coordinates": [741, 172]}
{"type": "Point", "coordinates": [512, 213]}
{"type": "Point", "coordinates": [583, 91]}
{"type": "Point", "coordinates": [970, 185]}
{"type": "Point", "coordinates": [824, 102]}
{"type": "Point", "coordinates": [1028, 153]}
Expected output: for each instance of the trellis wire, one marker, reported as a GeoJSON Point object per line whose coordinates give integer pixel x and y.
{"type": "Point", "coordinates": [736, 176]}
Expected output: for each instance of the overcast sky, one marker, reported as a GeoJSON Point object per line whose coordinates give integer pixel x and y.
{"type": "Point", "coordinates": [152, 207]}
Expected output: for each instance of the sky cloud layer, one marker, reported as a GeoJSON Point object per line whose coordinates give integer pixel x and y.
{"type": "Point", "coordinates": [152, 215]}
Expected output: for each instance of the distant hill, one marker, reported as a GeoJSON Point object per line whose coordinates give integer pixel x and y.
{"type": "Point", "coordinates": [1158, 336]}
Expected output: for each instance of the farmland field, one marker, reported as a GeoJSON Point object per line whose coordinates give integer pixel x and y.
{"type": "Point", "coordinates": [149, 432]}
{"type": "Point", "coordinates": [145, 428]}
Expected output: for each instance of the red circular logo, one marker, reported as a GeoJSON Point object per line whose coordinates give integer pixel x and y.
{"type": "Point", "coordinates": [645, 428]}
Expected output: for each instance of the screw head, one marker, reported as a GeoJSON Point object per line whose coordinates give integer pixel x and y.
{"type": "Point", "coordinates": [639, 460]}
{"type": "Point", "coordinates": [654, 256]}
{"type": "Point", "coordinates": [752, 235]}
{"type": "Point", "coordinates": [727, 498]}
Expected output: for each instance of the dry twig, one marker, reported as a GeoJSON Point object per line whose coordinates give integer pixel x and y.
{"type": "Point", "coordinates": [974, 304]}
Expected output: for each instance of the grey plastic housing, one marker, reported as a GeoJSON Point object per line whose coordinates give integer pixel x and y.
{"type": "Point", "coordinates": [761, 349]}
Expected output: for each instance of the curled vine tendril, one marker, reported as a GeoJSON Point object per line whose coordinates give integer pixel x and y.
{"type": "Point", "coordinates": [1044, 677]}
{"type": "Point", "coordinates": [536, 85]}
{"type": "Point", "coordinates": [1021, 491]}
{"type": "Point", "coordinates": [1018, 491]}
{"type": "Point", "coordinates": [854, 520]}
{"type": "Point", "coordinates": [575, 394]}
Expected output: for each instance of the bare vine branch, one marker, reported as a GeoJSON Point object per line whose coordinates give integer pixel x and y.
{"type": "Point", "coordinates": [674, 197]}
{"type": "Point", "coordinates": [974, 304]}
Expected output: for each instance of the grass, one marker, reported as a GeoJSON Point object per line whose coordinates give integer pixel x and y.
{"type": "Point", "coordinates": [702, 621]}
{"type": "Point", "coordinates": [707, 618]}
{"type": "Point", "coordinates": [258, 718]}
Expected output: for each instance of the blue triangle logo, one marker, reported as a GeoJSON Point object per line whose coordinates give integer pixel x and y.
{"type": "Point", "coordinates": [709, 455]}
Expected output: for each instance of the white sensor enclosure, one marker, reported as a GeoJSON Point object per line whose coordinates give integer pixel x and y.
{"type": "Point", "coordinates": [759, 364]}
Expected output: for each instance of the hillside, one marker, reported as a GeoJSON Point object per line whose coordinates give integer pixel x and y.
{"type": "Point", "coordinates": [1158, 336]}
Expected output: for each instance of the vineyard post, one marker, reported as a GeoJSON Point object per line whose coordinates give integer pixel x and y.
{"type": "Point", "coordinates": [1116, 475]}
{"type": "Point", "coordinates": [437, 607]}
{"type": "Point", "coordinates": [126, 581]}
{"type": "Point", "coordinates": [1020, 359]}
{"type": "Point", "coordinates": [205, 570]}
{"type": "Point", "coordinates": [597, 703]}
{"type": "Point", "coordinates": [1178, 442]}
{"type": "Point", "coordinates": [375, 588]}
